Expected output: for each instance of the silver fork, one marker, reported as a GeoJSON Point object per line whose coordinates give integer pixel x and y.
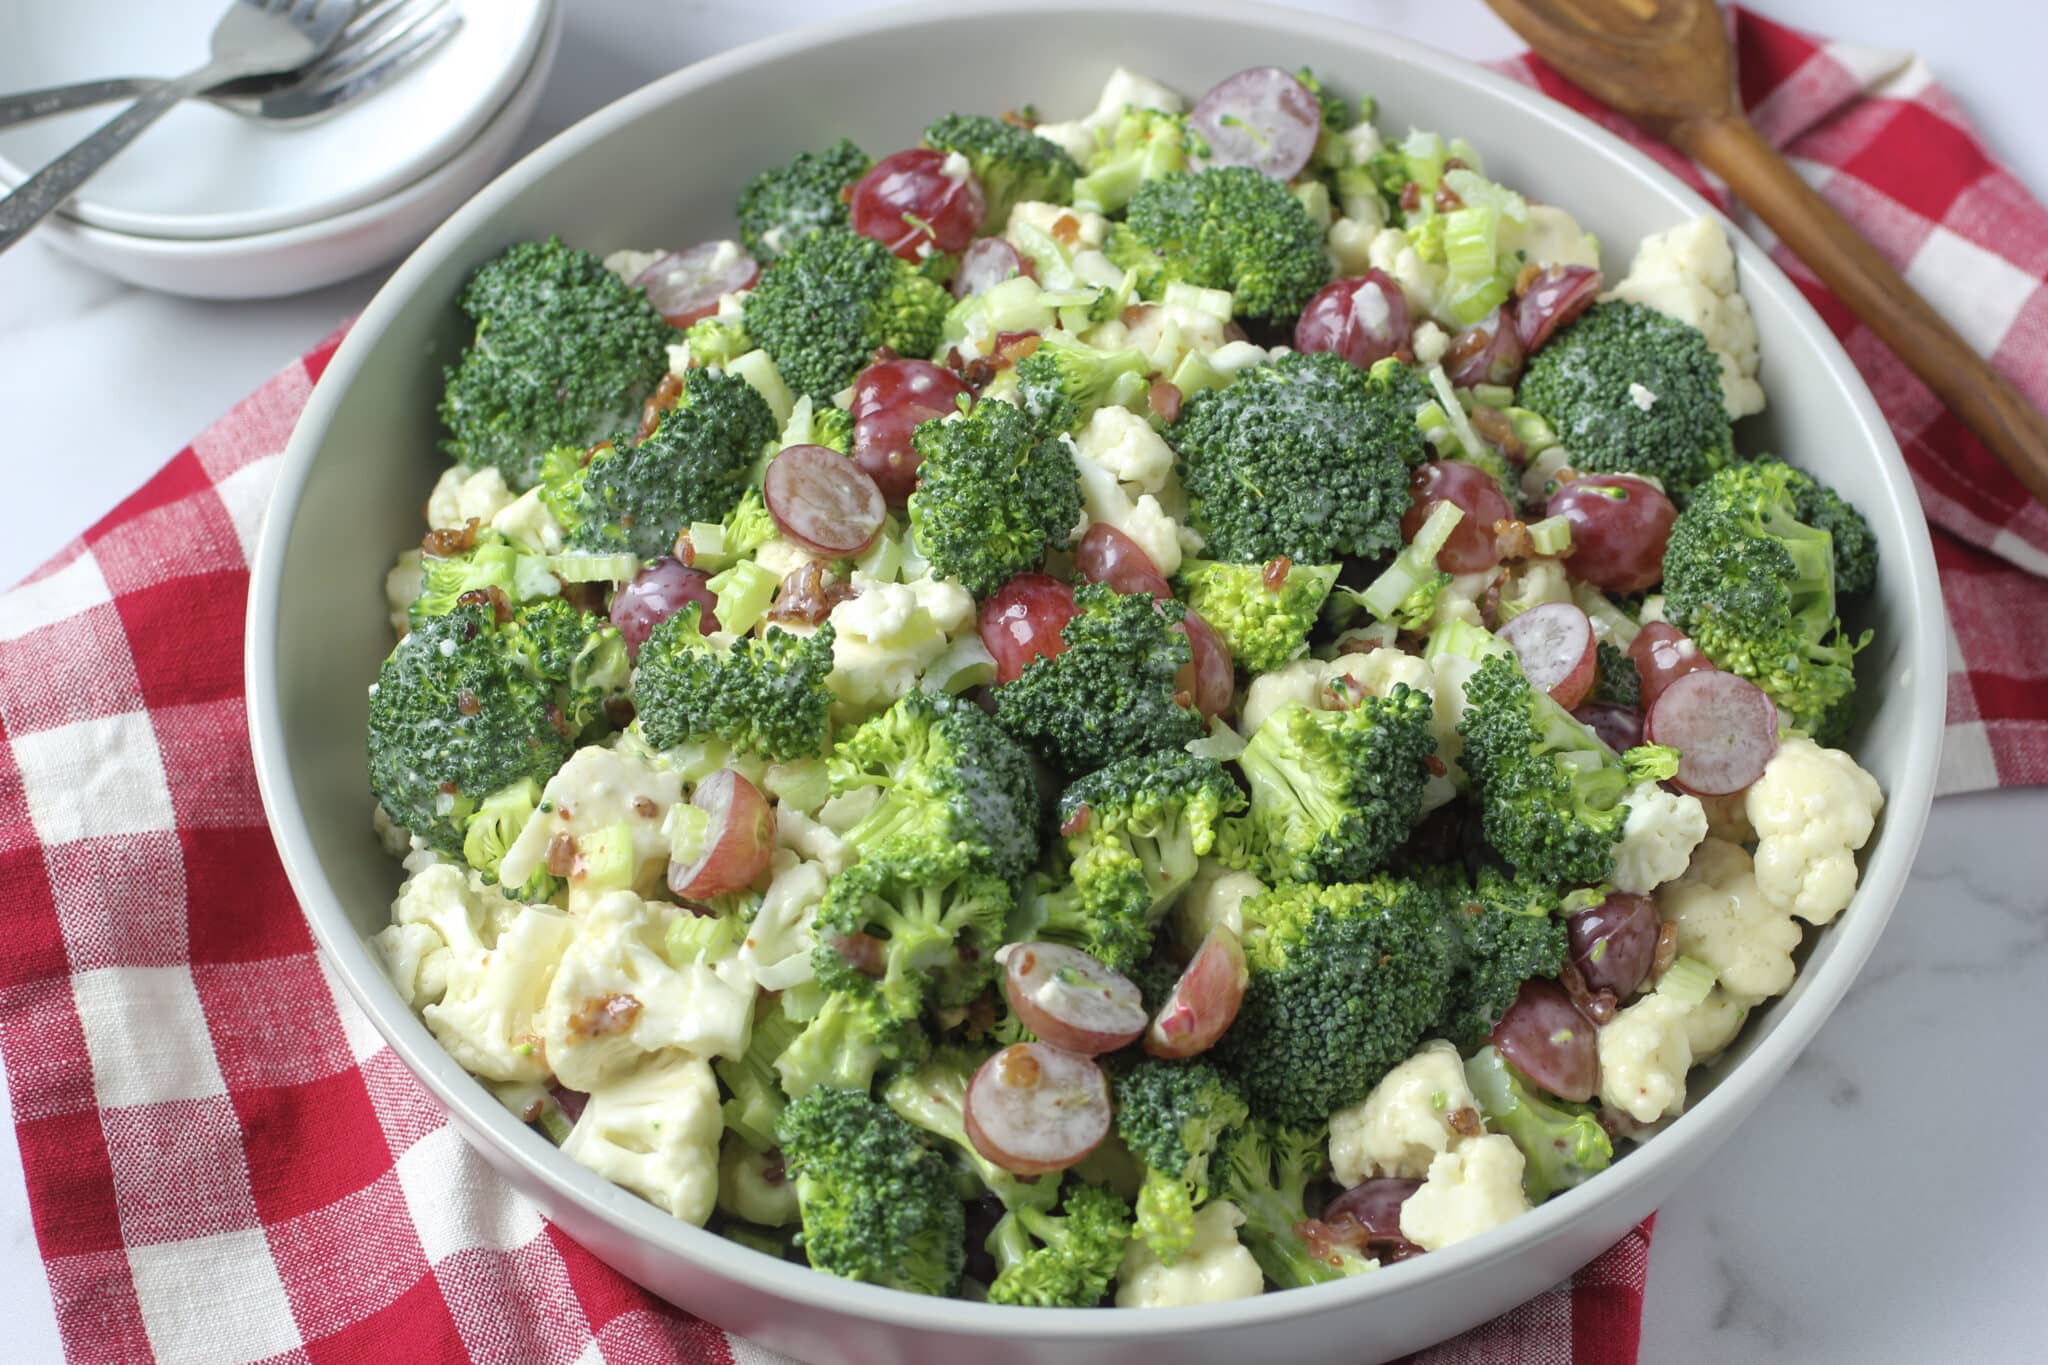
{"type": "Point", "coordinates": [385, 39]}
{"type": "Point", "coordinates": [253, 38]}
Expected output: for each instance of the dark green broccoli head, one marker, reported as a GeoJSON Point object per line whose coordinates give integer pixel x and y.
{"type": "Point", "coordinates": [910, 923]}
{"type": "Point", "coordinates": [993, 495]}
{"type": "Point", "coordinates": [878, 1199]}
{"type": "Point", "coordinates": [491, 562]}
{"type": "Point", "coordinates": [1562, 1144]}
{"type": "Point", "coordinates": [1617, 680]}
{"type": "Point", "coordinates": [564, 354]}
{"type": "Point", "coordinates": [1264, 612]}
{"type": "Point", "coordinates": [454, 717]}
{"type": "Point", "coordinates": [765, 695]}
{"type": "Point", "coordinates": [1063, 382]}
{"type": "Point", "coordinates": [823, 309]}
{"type": "Point", "coordinates": [1176, 1117]}
{"type": "Point", "coordinates": [782, 206]}
{"type": "Point", "coordinates": [1114, 692]}
{"type": "Point", "coordinates": [945, 774]}
{"type": "Point", "coordinates": [1306, 457]}
{"type": "Point", "coordinates": [1345, 980]}
{"type": "Point", "coordinates": [634, 498]}
{"type": "Point", "coordinates": [1632, 391]}
{"type": "Point", "coordinates": [1269, 1168]}
{"type": "Point", "coordinates": [583, 654]}
{"type": "Point", "coordinates": [1334, 793]}
{"type": "Point", "coordinates": [1512, 929]}
{"type": "Point", "coordinates": [1227, 228]}
{"type": "Point", "coordinates": [1063, 1260]}
{"type": "Point", "coordinates": [1754, 586]}
{"type": "Point", "coordinates": [1765, 487]}
{"type": "Point", "coordinates": [1549, 792]}
{"type": "Point", "coordinates": [1142, 145]}
{"type": "Point", "coordinates": [1013, 164]}
{"type": "Point", "coordinates": [933, 1095]}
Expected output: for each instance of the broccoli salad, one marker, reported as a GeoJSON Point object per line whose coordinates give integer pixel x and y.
{"type": "Point", "coordinates": [1132, 711]}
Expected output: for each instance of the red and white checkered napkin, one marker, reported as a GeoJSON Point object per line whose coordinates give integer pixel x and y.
{"type": "Point", "coordinates": [224, 1163]}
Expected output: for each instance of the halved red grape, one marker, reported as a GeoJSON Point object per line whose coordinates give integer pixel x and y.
{"type": "Point", "coordinates": [987, 263]}
{"type": "Point", "coordinates": [1471, 546]}
{"type": "Point", "coordinates": [1107, 555]}
{"type": "Point", "coordinates": [686, 285]}
{"type": "Point", "coordinates": [1662, 655]}
{"type": "Point", "coordinates": [1619, 526]}
{"type": "Point", "coordinates": [1208, 678]}
{"type": "Point", "coordinates": [658, 592]}
{"type": "Point", "coordinates": [1363, 318]}
{"type": "Point", "coordinates": [1488, 352]}
{"type": "Point", "coordinates": [909, 203]}
{"type": "Point", "coordinates": [1556, 296]}
{"type": "Point", "coordinates": [1204, 1002]}
{"type": "Point", "coordinates": [1619, 727]}
{"type": "Point", "coordinates": [890, 399]}
{"type": "Point", "coordinates": [823, 501]}
{"type": "Point", "coordinates": [1261, 117]}
{"type": "Point", "coordinates": [1023, 620]}
{"type": "Point", "coordinates": [1069, 999]}
{"type": "Point", "coordinates": [737, 844]}
{"type": "Point", "coordinates": [1555, 644]}
{"type": "Point", "coordinates": [1375, 1205]}
{"type": "Point", "coordinates": [1544, 1037]}
{"type": "Point", "coordinates": [1724, 728]}
{"type": "Point", "coordinates": [1613, 943]}
{"type": "Point", "coordinates": [1034, 1108]}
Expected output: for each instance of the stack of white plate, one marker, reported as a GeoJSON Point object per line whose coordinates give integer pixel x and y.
{"type": "Point", "coordinates": [217, 205]}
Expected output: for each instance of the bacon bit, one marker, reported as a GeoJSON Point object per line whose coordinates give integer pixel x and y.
{"type": "Point", "coordinates": [1078, 821]}
{"type": "Point", "coordinates": [1017, 119]}
{"type": "Point", "coordinates": [846, 194]}
{"type": "Point", "coordinates": [981, 1016]}
{"type": "Point", "coordinates": [1274, 574]}
{"type": "Point", "coordinates": [444, 542]}
{"type": "Point", "coordinates": [565, 812]}
{"type": "Point", "coordinates": [862, 952]}
{"type": "Point", "coordinates": [1465, 1122]}
{"type": "Point", "coordinates": [1184, 698]}
{"type": "Point", "coordinates": [601, 1016]}
{"type": "Point", "coordinates": [1341, 693]}
{"type": "Point", "coordinates": [1165, 399]}
{"type": "Point", "coordinates": [1511, 539]}
{"type": "Point", "coordinates": [1498, 431]}
{"type": "Point", "coordinates": [560, 723]}
{"type": "Point", "coordinates": [1435, 765]}
{"type": "Point", "coordinates": [561, 859]}
{"type": "Point", "coordinates": [1447, 200]}
{"type": "Point", "coordinates": [1667, 951]}
{"type": "Point", "coordinates": [467, 704]}
{"type": "Point", "coordinates": [774, 1170]}
{"type": "Point", "coordinates": [645, 808]}
{"type": "Point", "coordinates": [1012, 347]}
{"type": "Point", "coordinates": [592, 452]}
{"type": "Point", "coordinates": [1463, 347]}
{"type": "Point", "coordinates": [685, 548]}
{"type": "Point", "coordinates": [1385, 958]}
{"type": "Point", "coordinates": [666, 395]}
{"type": "Point", "coordinates": [1411, 197]}
{"type": "Point", "coordinates": [1526, 280]}
{"type": "Point", "coordinates": [808, 594]}
{"type": "Point", "coordinates": [448, 789]}
{"type": "Point", "coordinates": [1598, 1008]}
{"type": "Point", "coordinates": [619, 711]}
{"type": "Point", "coordinates": [1066, 229]}
{"type": "Point", "coordinates": [532, 1112]}
{"type": "Point", "coordinates": [492, 596]}
{"type": "Point", "coordinates": [1018, 1067]}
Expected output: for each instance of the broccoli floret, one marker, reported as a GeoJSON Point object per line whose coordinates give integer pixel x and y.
{"type": "Point", "coordinates": [1512, 929]}
{"type": "Point", "coordinates": [1334, 793]}
{"type": "Point", "coordinates": [1549, 792]}
{"type": "Point", "coordinates": [1227, 228]}
{"type": "Point", "coordinates": [1822, 508]}
{"type": "Point", "coordinates": [634, 498]}
{"type": "Point", "coordinates": [490, 563]}
{"type": "Point", "coordinates": [765, 695]}
{"type": "Point", "coordinates": [1268, 1170]}
{"type": "Point", "coordinates": [1063, 1260]}
{"type": "Point", "coordinates": [1339, 114]}
{"type": "Point", "coordinates": [585, 656]}
{"type": "Point", "coordinates": [877, 1198]}
{"type": "Point", "coordinates": [1143, 144]}
{"type": "Point", "coordinates": [844, 1043]}
{"type": "Point", "coordinates": [757, 1100]}
{"type": "Point", "coordinates": [1176, 1117]}
{"type": "Point", "coordinates": [945, 774]}
{"type": "Point", "coordinates": [933, 1095]}
{"type": "Point", "coordinates": [1306, 457]}
{"type": "Point", "coordinates": [1630, 390]}
{"type": "Point", "coordinates": [1616, 679]}
{"type": "Point", "coordinates": [993, 495]}
{"type": "Point", "coordinates": [823, 308]}
{"type": "Point", "coordinates": [909, 923]}
{"type": "Point", "coordinates": [1263, 611]}
{"type": "Point", "coordinates": [455, 716]}
{"type": "Point", "coordinates": [1562, 1144]}
{"type": "Point", "coordinates": [781, 207]}
{"type": "Point", "coordinates": [1113, 692]}
{"type": "Point", "coordinates": [1754, 586]}
{"type": "Point", "coordinates": [832, 428]}
{"type": "Point", "coordinates": [1135, 834]}
{"type": "Point", "coordinates": [1345, 980]}
{"type": "Point", "coordinates": [490, 832]}
{"type": "Point", "coordinates": [1063, 382]}
{"type": "Point", "coordinates": [1014, 165]}
{"type": "Point", "coordinates": [564, 354]}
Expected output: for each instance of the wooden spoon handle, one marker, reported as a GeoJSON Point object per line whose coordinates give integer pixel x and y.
{"type": "Point", "coordinates": [2002, 418]}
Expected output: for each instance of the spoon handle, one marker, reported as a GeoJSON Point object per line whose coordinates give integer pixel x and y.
{"type": "Point", "coordinates": [62, 99]}
{"type": "Point", "coordinates": [1997, 412]}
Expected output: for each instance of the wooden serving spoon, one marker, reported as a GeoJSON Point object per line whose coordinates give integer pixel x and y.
{"type": "Point", "coordinates": [1666, 64]}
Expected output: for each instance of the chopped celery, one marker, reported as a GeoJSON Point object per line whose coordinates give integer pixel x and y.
{"type": "Point", "coordinates": [575, 568]}
{"type": "Point", "coordinates": [1551, 536]}
{"type": "Point", "coordinates": [745, 592]}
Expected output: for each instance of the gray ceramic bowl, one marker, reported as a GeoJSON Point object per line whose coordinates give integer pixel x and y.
{"type": "Point", "coordinates": [661, 167]}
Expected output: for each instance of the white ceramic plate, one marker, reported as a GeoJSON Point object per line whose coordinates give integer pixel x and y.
{"type": "Point", "coordinates": [204, 172]}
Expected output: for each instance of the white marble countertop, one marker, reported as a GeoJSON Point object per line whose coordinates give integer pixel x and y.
{"type": "Point", "coordinates": [1861, 1216]}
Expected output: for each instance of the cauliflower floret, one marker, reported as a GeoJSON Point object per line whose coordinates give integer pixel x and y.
{"type": "Point", "coordinates": [1688, 273]}
{"type": "Point", "coordinates": [1812, 809]}
{"type": "Point", "coordinates": [1645, 1051]}
{"type": "Point", "coordinates": [1127, 477]}
{"type": "Point", "coordinates": [597, 790]}
{"type": "Point", "coordinates": [1215, 897]}
{"type": "Point", "coordinates": [1422, 281]}
{"type": "Point", "coordinates": [1348, 243]}
{"type": "Point", "coordinates": [486, 1017]}
{"type": "Point", "coordinates": [1550, 236]}
{"type": "Point", "coordinates": [1401, 1128]}
{"type": "Point", "coordinates": [1214, 1269]}
{"type": "Point", "coordinates": [436, 922]}
{"type": "Point", "coordinates": [1123, 87]}
{"type": "Point", "coordinates": [1657, 839]}
{"type": "Point", "coordinates": [463, 495]}
{"type": "Point", "coordinates": [887, 635]}
{"type": "Point", "coordinates": [782, 557]}
{"type": "Point", "coordinates": [1430, 342]}
{"type": "Point", "coordinates": [402, 588]}
{"type": "Point", "coordinates": [655, 1131]}
{"type": "Point", "coordinates": [1725, 921]}
{"type": "Point", "coordinates": [616, 997]}
{"type": "Point", "coordinates": [777, 951]}
{"type": "Point", "coordinates": [1713, 1023]}
{"type": "Point", "coordinates": [1298, 682]}
{"type": "Point", "coordinates": [1475, 1186]}
{"type": "Point", "coordinates": [1169, 332]}
{"type": "Point", "coordinates": [1125, 444]}
{"type": "Point", "coordinates": [746, 1192]}
{"type": "Point", "coordinates": [527, 522]}
{"type": "Point", "coordinates": [1533, 582]}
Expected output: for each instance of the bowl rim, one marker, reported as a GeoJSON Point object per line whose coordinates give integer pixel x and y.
{"type": "Point", "coordinates": [476, 1112]}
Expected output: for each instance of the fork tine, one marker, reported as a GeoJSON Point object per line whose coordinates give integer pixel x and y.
{"type": "Point", "coordinates": [302, 102]}
{"type": "Point", "coordinates": [352, 53]}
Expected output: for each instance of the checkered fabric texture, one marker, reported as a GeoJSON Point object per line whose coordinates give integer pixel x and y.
{"type": "Point", "coordinates": [224, 1161]}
